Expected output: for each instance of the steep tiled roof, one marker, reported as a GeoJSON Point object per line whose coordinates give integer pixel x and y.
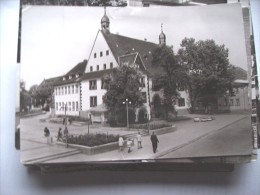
{"type": "Point", "coordinates": [74, 75]}
{"type": "Point", "coordinates": [240, 74]}
{"type": "Point", "coordinates": [128, 58]}
{"type": "Point", "coordinates": [96, 74]}
{"type": "Point", "coordinates": [46, 86]}
{"type": "Point", "coordinates": [121, 45]}
{"type": "Point", "coordinates": [78, 69]}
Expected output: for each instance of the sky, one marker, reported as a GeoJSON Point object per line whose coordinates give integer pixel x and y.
{"type": "Point", "coordinates": [56, 38]}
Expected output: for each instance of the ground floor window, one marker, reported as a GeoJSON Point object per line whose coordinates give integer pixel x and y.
{"type": "Point", "coordinates": [231, 102]}
{"type": "Point", "coordinates": [93, 101]}
{"type": "Point", "coordinates": [77, 106]}
{"type": "Point", "coordinates": [69, 106]}
{"type": "Point", "coordinates": [238, 102]}
{"type": "Point", "coordinates": [144, 97]}
{"type": "Point", "coordinates": [73, 106]}
{"type": "Point", "coordinates": [181, 102]}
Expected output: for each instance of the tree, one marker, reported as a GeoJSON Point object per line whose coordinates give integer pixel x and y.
{"type": "Point", "coordinates": [123, 83]}
{"type": "Point", "coordinates": [209, 74]}
{"type": "Point", "coordinates": [168, 76]}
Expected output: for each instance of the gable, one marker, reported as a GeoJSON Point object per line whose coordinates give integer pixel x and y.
{"type": "Point", "coordinates": [101, 55]}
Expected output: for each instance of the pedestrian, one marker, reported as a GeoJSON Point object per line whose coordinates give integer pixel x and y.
{"type": "Point", "coordinates": [139, 141]}
{"type": "Point", "coordinates": [120, 143]}
{"type": "Point", "coordinates": [70, 121]}
{"type": "Point", "coordinates": [154, 140]}
{"type": "Point", "coordinates": [46, 132]}
{"type": "Point", "coordinates": [129, 144]}
{"type": "Point", "coordinates": [66, 133]}
{"type": "Point", "coordinates": [59, 138]}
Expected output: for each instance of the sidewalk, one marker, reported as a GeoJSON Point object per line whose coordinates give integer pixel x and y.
{"type": "Point", "coordinates": [186, 133]}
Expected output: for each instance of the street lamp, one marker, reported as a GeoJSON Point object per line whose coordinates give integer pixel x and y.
{"type": "Point", "coordinates": [126, 102]}
{"type": "Point", "coordinates": [66, 132]}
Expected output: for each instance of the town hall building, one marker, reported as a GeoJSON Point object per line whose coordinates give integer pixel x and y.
{"type": "Point", "coordinates": [80, 92]}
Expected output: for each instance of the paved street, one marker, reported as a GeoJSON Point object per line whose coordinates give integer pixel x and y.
{"type": "Point", "coordinates": [235, 139]}
{"type": "Point", "coordinates": [228, 134]}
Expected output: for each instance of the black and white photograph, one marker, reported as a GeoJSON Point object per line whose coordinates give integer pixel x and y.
{"type": "Point", "coordinates": [135, 83]}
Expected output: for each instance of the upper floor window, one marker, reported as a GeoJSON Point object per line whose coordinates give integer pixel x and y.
{"type": "Point", "coordinates": [111, 65]}
{"type": "Point", "coordinates": [68, 89]}
{"type": "Point", "coordinates": [102, 84]}
{"type": "Point", "coordinates": [72, 89]}
{"type": "Point", "coordinates": [97, 67]}
{"type": "Point", "coordinates": [107, 52]}
{"type": "Point", "coordinates": [91, 68]}
{"type": "Point", "coordinates": [92, 84]}
{"type": "Point", "coordinates": [142, 82]}
{"type": "Point", "coordinates": [101, 54]}
{"type": "Point", "coordinates": [104, 66]}
{"type": "Point", "coordinates": [95, 55]}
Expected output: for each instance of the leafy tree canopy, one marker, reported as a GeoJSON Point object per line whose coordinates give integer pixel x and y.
{"type": "Point", "coordinates": [208, 71]}
{"type": "Point", "coordinates": [170, 74]}
{"type": "Point", "coordinates": [123, 83]}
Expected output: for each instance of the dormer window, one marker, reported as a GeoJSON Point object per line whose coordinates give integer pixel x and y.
{"type": "Point", "coordinates": [77, 75]}
{"type": "Point", "coordinates": [70, 77]}
{"type": "Point", "coordinates": [64, 78]}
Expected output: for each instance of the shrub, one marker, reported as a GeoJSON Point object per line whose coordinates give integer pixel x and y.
{"type": "Point", "coordinates": [92, 139]}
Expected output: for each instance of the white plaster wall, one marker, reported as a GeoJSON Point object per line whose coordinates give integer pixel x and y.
{"type": "Point", "coordinates": [101, 45]}
{"type": "Point", "coordinates": [185, 95]}
{"type": "Point", "coordinates": [243, 96]}
{"type": "Point", "coordinates": [86, 93]}
{"type": "Point", "coordinates": [66, 98]}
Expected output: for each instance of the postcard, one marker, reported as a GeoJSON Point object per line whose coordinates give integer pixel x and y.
{"type": "Point", "coordinates": [122, 84]}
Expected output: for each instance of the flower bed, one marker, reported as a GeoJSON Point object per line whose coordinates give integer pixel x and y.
{"type": "Point", "coordinates": [153, 125]}
{"type": "Point", "coordinates": [92, 139]}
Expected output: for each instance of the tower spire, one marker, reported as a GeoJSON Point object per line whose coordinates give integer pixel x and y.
{"type": "Point", "coordinates": [162, 37]}
{"type": "Point", "coordinates": [105, 22]}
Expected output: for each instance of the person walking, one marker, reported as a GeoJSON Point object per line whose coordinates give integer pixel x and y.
{"type": "Point", "coordinates": [154, 140]}
{"type": "Point", "coordinates": [120, 143]}
{"type": "Point", "coordinates": [139, 141]}
{"type": "Point", "coordinates": [46, 132]}
{"type": "Point", "coordinates": [66, 134]}
{"type": "Point", "coordinates": [59, 137]}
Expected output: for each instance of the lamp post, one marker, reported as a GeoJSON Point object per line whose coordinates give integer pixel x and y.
{"type": "Point", "coordinates": [66, 132]}
{"type": "Point", "coordinates": [126, 102]}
